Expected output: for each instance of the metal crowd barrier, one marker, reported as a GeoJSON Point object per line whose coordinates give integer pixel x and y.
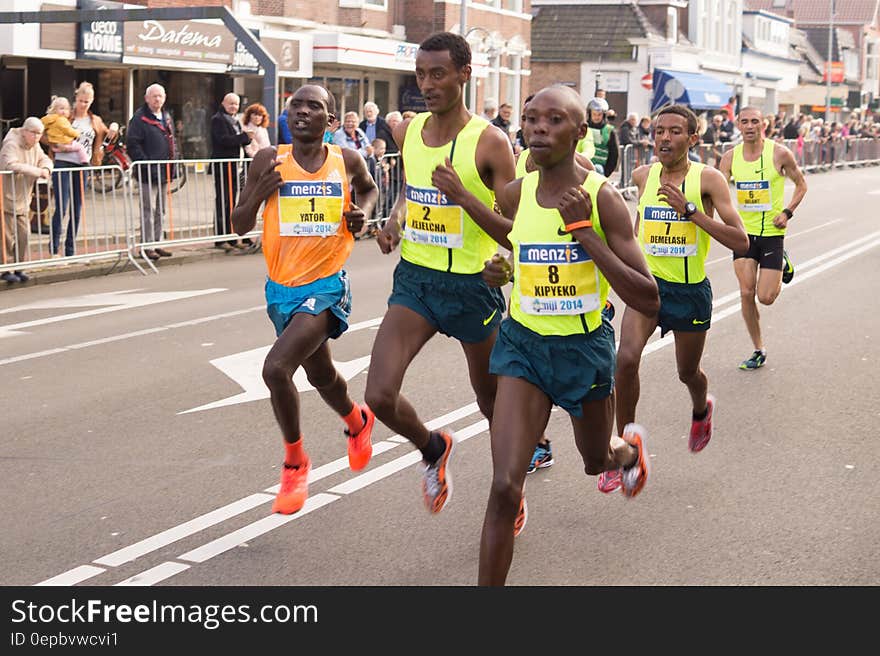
{"type": "Point", "coordinates": [47, 230]}
{"type": "Point", "coordinates": [826, 154]}
{"type": "Point", "coordinates": [811, 156]}
{"type": "Point", "coordinates": [388, 176]}
{"type": "Point", "coordinates": [195, 199]}
{"type": "Point", "coordinates": [75, 215]}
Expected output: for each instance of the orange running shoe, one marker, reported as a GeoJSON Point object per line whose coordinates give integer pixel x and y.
{"type": "Point", "coordinates": [360, 448]}
{"type": "Point", "coordinates": [294, 488]}
{"type": "Point", "coordinates": [633, 478]}
{"type": "Point", "coordinates": [521, 517]}
{"type": "Point", "coordinates": [436, 481]}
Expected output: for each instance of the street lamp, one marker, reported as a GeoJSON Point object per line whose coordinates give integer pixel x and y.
{"type": "Point", "coordinates": [472, 85]}
{"type": "Point", "coordinates": [828, 65]}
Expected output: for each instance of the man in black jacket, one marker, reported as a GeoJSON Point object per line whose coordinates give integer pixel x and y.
{"type": "Point", "coordinates": [150, 136]}
{"type": "Point", "coordinates": [227, 139]}
{"type": "Point", "coordinates": [376, 127]}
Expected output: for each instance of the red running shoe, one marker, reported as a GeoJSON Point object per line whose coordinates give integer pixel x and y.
{"type": "Point", "coordinates": [701, 429]}
{"type": "Point", "coordinates": [294, 488]}
{"type": "Point", "coordinates": [521, 517]}
{"type": "Point", "coordinates": [436, 481]}
{"type": "Point", "coordinates": [610, 480]}
{"type": "Point", "coordinates": [633, 478]}
{"type": "Point", "coordinates": [360, 448]}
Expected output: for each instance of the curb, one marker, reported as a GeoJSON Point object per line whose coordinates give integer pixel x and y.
{"type": "Point", "coordinates": [77, 270]}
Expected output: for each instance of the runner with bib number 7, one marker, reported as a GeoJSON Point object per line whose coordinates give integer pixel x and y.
{"type": "Point", "coordinates": [675, 224]}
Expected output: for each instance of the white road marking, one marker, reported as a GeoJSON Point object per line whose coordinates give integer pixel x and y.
{"type": "Point", "coordinates": [154, 575]}
{"type": "Point", "coordinates": [122, 300]}
{"type": "Point", "coordinates": [74, 576]}
{"type": "Point", "coordinates": [137, 333]}
{"type": "Point", "coordinates": [788, 237]}
{"type": "Point", "coordinates": [181, 531]}
{"type": "Point", "coordinates": [255, 529]}
{"type": "Point", "coordinates": [377, 474]}
{"type": "Point", "coordinates": [804, 271]}
{"type": "Point", "coordinates": [246, 369]}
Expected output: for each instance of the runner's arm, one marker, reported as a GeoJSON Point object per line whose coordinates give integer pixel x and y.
{"type": "Point", "coordinates": [620, 260]}
{"type": "Point", "coordinates": [639, 175]}
{"type": "Point", "coordinates": [793, 172]}
{"type": "Point", "coordinates": [262, 181]}
{"type": "Point", "coordinates": [495, 157]}
{"type": "Point", "coordinates": [389, 237]}
{"type": "Point", "coordinates": [498, 271]}
{"type": "Point", "coordinates": [729, 231]}
{"type": "Point", "coordinates": [364, 188]}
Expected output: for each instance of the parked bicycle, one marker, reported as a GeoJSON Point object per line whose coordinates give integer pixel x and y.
{"type": "Point", "coordinates": [116, 154]}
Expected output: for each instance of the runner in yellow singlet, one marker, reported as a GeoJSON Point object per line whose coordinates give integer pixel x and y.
{"type": "Point", "coordinates": [571, 238]}
{"type": "Point", "coordinates": [543, 455]}
{"type": "Point", "coordinates": [675, 225]}
{"type": "Point", "coordinates": [758, 168]}
{"type": "Point", "coordinates": [454, 163]}
{"type": "Point", "coordinates": [309, 223]}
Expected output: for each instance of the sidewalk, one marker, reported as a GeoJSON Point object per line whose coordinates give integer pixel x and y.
{"type": "Point", "coordinates": [43, 274]}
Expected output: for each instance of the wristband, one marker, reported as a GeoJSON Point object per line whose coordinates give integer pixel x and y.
{"type": "Point", "coordinates": [571, 227]}
{"type": "Point", "coordinates": [787, 212]}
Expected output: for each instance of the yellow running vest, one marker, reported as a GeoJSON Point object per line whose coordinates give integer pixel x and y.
{"type": "Point", "coordinates": [439, 234]}
{"type": "Point", "coordinates": [521, 164]}
{"type": "Point", "coordinates": [760, 190]}
{"type": "Point", "coordinates": [558, 289]}
{"type": "Point", "coordinates": [675, 248]}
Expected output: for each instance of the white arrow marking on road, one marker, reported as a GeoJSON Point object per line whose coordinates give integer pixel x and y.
{"type": "Point", "coordinates": [121, 300]}
{"type": "Point", "coordinates": [246, 369]}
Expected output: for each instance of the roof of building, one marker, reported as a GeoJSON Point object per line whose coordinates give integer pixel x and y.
{"type": "Point", "coordinates": [818, 37]}
{"type": "Point", "coordinates": [587, 32]}
{"type": "Point", "coordinates": [812, 63]}
{"type": "Point", "coordinates": [862, 12]}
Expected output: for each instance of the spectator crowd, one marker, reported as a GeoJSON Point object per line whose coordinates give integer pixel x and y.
{"type": "Point", "coordinates": [57, 146]}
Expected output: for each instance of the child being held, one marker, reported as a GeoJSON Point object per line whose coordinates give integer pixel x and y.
{"type": "Point", "coordinates": [59, 132]}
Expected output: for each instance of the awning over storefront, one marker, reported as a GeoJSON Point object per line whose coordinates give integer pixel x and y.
{"type": "Point", "coordinates": [372, 52]}
{"type": "Point", "coordinates": [696, 90]}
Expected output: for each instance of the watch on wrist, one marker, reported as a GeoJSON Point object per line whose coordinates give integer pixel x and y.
{"type": "Point", "coordinates": [689, 209]}
{"type": "Point", "coordinates": [787, 212]}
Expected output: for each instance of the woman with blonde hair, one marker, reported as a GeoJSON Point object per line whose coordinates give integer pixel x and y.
{"type": "Point", "coordinates": [68, 185]}
{"type": "Point", "coordinates": [255, 122]}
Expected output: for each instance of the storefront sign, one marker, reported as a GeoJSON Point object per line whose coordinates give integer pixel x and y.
{"type": "Point", "coordinates": [411, 98]}
{"type": "Point", "coordinates": [57, 36]}
{"type": "Point", "coordinates": [286, 54]}
{"type": "Point", "coordinates": [615, 82]}
{"type": "Point", "coordinates": [837, 72]}
{"type": "Point", "coordinates": [243, 61]}
{"type": "Point", "coordinates": [100, 40]}
{"type": "Point", "coordinates": [179, 40]}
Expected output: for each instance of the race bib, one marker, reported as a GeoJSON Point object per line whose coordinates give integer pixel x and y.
{"type": "Point", "coordinates": [754, 196]}
{"type": "Point", "coordinates": [431, 218]}
{"type": "Point", "coordinates": [668, 234]}
{"type": "Point", "coordinates": [310, 209]}
{"type": "Point", "coordinates": [558, 278]}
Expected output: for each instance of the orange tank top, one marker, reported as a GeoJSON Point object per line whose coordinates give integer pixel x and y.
{"type": "Point", "coordinates": [304, 235]}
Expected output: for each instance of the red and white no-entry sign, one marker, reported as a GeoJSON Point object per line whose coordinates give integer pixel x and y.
{"type": "Point", "coordinates": [648, 81]}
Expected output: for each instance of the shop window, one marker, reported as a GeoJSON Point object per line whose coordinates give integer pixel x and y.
{"type": "Point", "coordinates": [381, 96]}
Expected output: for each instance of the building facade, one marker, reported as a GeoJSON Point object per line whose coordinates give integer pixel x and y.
{"type": "Point", "coordinates": [359, 49]}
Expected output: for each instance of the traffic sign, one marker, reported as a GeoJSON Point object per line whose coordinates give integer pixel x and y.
{"type": "Point", "coordinates": [648, 81]}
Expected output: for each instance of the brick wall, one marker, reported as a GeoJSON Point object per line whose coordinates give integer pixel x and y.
{"type": "Point", "coordinates": [546, 73]}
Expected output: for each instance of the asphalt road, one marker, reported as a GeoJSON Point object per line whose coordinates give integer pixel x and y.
{"type": "Point", "coordinates": [139, 445]}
